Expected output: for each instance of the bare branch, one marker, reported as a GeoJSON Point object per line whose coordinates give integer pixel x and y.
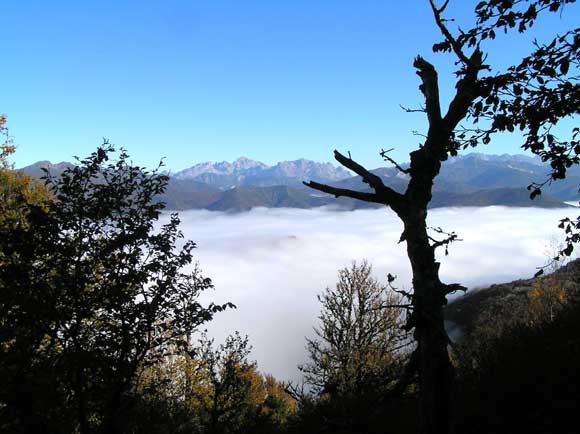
{"type": "Point", "coordinates": [295, 391]}
{"type": "Point", "coordinates": [393, 162]}
{"type": "Point", "coordinates": [392, 306]}
{"type": "Point", "coordinates": [453, 287]}
{"type": "Point", "coordinates": [343, 192]}
{"type": "Point", "coordinates": [406, 294]}
{"type": "Point", "coordinates": [442, 8]}
{"type": "Point", "coordinates": [429, 88]}
{"type": "Point", "coordinates": [384, 194]}
{"type": "Point", "coordinates": [410, 110]}
{"type": "Point", "coordinates": [369, 178]}
{"type": "Point", "coordinates": [451, 237]}
{"type": "Point", "coordinates": [467, 92]}
{"type": "Point", "coordinates": [418, 134]}
{"type": "Point", "coordinates": [456, 46]}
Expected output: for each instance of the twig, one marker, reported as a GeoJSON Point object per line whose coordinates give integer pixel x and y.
{"type": "Point", "coordinates": [451, 237]}
{"type": "Point", "coordinates": [456, 46]}
{"type": "Point", "coordinates": [393, 162]}
{"type": "Point", "coordinates": [410, 110]}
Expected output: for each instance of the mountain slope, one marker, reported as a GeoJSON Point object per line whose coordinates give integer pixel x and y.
{"type": "Point", "coordinates": [35, 170]}
{"type": "Point", "coordinates": [248, 197]}
{"type": "Point", "coordinates": [464, 311]}
{"type": "Point", "coordinates": [498, 197]}
{"type": "Point", "coordinates": [469, 180]}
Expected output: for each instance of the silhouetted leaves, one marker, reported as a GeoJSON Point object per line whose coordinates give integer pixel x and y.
{"type": "Point", "coordinates": [90, 288]}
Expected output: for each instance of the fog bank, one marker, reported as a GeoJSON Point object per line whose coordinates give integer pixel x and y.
{"type": "Point", "coordinates": [271, 263]}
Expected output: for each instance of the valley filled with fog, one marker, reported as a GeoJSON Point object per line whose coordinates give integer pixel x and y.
{"type": "Point", "coordinates": [271, 263]}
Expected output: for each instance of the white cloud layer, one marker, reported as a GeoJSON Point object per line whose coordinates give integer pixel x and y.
{"type": "Point", "coordinates": [271, 263]}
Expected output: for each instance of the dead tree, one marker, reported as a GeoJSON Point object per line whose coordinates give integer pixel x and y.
{"type": "Point", "coordinates": [434, 369]}
{"type": "Point", "coordinates": [532, 95]}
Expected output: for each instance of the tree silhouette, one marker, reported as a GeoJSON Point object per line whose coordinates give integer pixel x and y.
{"type": "Point", "coordinates": [479, 95]}
{"type": "Point", "coordinates": [92, 291]}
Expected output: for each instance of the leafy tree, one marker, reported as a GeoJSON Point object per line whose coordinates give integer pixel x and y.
{"type": "Point", "coordinates": [360, 334]}
{"type": "Point", "coordinates": [355, 359]}
{"type": "Point", "coordinates": [479, 93]}
{"type": "Point", "coordinates": [211, 389]}
{"type": "Point", "coordinates": [6, 147]}
{"type": "Point", "coordinates": [231, 391]}
{"type": "Point", "coordinates": [535, 95]}
{"type": "Point", "coordinates": [17, 190]}
{"type": "Point", "coordinates": [18, 194]}
{"type": "Point", "coordinates": [92, 291]}
{"type": "Point", "coordinates": [277, 409]}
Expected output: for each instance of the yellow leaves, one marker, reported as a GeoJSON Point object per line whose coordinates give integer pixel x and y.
{"type": "Point", "coordinates": [18, 193]}
{"type": "Point", "coordinates": [6, 148]}
{"type": "Point", "coordinates": [8, 344]}
{"type": "Point", "coordinates": [45, 344]}
{"type": "Point", "coordinates": [233, 393]}
{"type": "Point", "coordinates": [17, 190]}
{"type": "Point", "coordinates": [546, 298]}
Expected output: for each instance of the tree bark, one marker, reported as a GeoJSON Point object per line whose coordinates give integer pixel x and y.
{"type": "Point", "coordinates": [81, 402]}
{"type": "Point", "coordinates": [436, 378]}
{"type": "Point", "coordinates": [431, 359]}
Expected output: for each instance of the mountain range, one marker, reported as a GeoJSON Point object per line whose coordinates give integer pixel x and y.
{"type": "Point", "coordinates": [244, 171]}
{"type": "Point", "coordinates": [470, 180]}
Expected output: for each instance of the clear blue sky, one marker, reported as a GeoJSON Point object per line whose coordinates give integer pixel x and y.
{"type": "Point", "coordinates": [214, 80]}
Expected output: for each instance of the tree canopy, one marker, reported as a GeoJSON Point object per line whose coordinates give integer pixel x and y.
{"type": "Point", "coordinates": [359, 340]}
{"type": "Point", "coordinates": [92, 288]}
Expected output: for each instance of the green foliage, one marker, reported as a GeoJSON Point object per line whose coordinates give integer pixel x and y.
{"type": "Point", "coordinates": [360, 334]}
{"type": "Point", "coordinates": [91, 291]}
{"type": "Point", "coordinates": [6, 147]}
{"type": "Point", "coordinates": [229, 392]}
{"type": "Point", "coordinates": [17, 190]}
{"type": "Point", "coordinates": [533, 95]}
{"type": "Point", "coordinates": [215, 390]}
{"type": "Point", "coordinates": [356, 360]}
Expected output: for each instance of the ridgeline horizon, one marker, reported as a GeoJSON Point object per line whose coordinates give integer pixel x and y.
{"type": "Point", "coordinates": [474, 179]}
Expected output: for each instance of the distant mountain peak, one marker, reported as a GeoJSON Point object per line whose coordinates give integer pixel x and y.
{"type": "Point", "coordinates": [244, 163]}
{"type": "Point", "coordinates": [468, 180]}
{"type": "Point", "coordinates": [35, 170]}
{"type": "Point", "coordinates": [504, 158]}
{"type": "Point", "coordinates": [245, 171]}
{"type": "Point", "coordinates": [244, 160]}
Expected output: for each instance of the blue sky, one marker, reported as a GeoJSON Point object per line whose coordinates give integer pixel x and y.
{"type": "Point", "coordinates": [214, 80]}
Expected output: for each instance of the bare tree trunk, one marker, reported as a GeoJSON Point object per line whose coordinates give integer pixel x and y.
{"type": "Point", "coordinates": [431, 359]}
{"type": "Point", "coordinates": [429, 293]}
{"type": "Point", "coordinates": [81, 402]}
{"type": "Point", "coordinates": [436, 377]}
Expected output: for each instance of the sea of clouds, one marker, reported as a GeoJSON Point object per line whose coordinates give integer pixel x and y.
{"type": "Point", "coordinates": [271, 263]}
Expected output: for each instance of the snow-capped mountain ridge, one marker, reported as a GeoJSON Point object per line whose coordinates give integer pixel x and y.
{"type": "Point", "coordinates": [245, 171]}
